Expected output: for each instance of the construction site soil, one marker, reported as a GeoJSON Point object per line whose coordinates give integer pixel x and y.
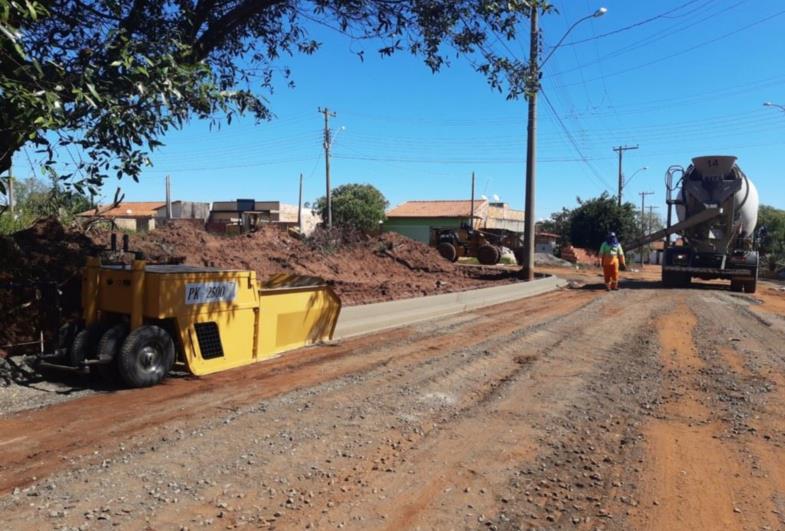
{"type": "Point", "coordinates": [644, 408]}
{"type": "Point", "coordinates": [361, 269]}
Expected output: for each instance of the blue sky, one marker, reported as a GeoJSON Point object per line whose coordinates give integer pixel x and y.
{"type": "Point", "coordinates": [685, 84]}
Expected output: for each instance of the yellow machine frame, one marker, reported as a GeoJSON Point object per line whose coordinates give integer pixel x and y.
{"type": "Point", "coordinates": [252, 321]}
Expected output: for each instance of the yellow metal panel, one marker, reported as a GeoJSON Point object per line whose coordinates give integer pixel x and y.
{"type": "Point", "coordinates": [296, 317]}
{"type": "Point", "coordinates": [236, 333]}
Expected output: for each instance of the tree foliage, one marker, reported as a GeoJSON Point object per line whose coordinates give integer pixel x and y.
{"type": "Point", "coordinates": [357, 206]}
{"type": "Point", "coordinates": [35, 199]}
{"type": "Point", "coordinates": [771, 229]}
{"type": "Point", "coordinates": [110, 77]}
{"type": "Point", "coordinates": [587, 225]}
{"type": "Point", "coordinates": [595, 218]}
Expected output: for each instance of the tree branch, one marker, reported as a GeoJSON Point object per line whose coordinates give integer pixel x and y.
{"type": "Point", "coordinates": [229, 23]}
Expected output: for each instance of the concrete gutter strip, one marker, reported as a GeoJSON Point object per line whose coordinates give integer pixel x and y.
{"type": "Point", "coordinates": [367, 318]}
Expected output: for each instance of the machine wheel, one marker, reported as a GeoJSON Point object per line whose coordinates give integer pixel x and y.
{"type": "Point", "coordinates": [146, 356]}
{"type": "Point", "coordinates": [751, 285]}
{"type": "Point", "coordinates": [518, 252]}
{"type": "Point", "coordinates": [668, 279]}
{"type": "Point", "coordinates": [109, 349]}
{"type": "Point", "coordinates": [488, 255]}
{"type": "Point", "coordinates": [84, 345]}
{"type": "Point", "coordinates": [736, 285]}
{"type": "Point", "coordinates": [448, 251]}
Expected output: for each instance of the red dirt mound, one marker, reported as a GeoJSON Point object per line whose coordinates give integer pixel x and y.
{"type": "Point", "coordinates": [361, 269]}
{"type": "Point", "coordinates": [45, 252]}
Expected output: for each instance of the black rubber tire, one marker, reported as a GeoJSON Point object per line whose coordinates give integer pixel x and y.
{"type": "Point", "coordinates": [674, 279]}
{"type": "Point", "coordinates": [84, 346]}
{"type": "Point", "coordinates": [488, 255]}
{"type": "Point", "coordinates": [519, 255]}
{"type": "Point", "coordinates": [751, 286]}
{"type": "Point", "coordinates": [448, 251]}
{"type": "Point", "coordinates": [66, 334]}
{"type": "Point", "coordinates": [736, 285]}
{"type": "Point", "coordinates": [108, 349]}
{"type": "Point", "coordinates": [146, 357]}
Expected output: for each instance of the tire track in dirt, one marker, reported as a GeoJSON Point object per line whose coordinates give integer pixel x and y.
{"type": "Point", "coordinates": [696, 477]}
{"type": "Point", "coordinates": [75, 431]}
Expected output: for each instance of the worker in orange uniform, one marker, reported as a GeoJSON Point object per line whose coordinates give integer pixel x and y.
{"type": "Point", "coordinates": [612, 257]}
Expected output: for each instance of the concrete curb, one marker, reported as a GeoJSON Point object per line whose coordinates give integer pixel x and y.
{"type": "Point", "coordinates": [367, 318]}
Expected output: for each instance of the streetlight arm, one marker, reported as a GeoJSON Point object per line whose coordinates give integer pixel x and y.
{"type": "Point", "coordinates": [600, 12]}
{"type": "Point", "coordinates": [636, 172]}
{"type": "Point", "coordinates": [775, 105]}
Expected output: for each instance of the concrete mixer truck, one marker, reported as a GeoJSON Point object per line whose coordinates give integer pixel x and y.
{"type": "Point", "coordinates": [717, 208]}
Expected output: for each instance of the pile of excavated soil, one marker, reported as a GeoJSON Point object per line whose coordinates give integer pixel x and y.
{"type": "Point", "coordinates": [361, 269]}
{"type": "Point", "coordinates": [45, 252]}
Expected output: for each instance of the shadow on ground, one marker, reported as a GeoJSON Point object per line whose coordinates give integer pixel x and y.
{"type": "Point", "coordinates": [656, 284]}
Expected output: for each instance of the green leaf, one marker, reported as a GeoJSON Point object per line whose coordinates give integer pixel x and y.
{"type": "Point", "coordinates": [92, 90]}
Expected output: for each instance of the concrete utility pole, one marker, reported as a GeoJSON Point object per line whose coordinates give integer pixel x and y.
{"type": "Point", "coordinates": [471, 212]}
{"type": "Point", "coordinates": [533, 87]}
{"type": "Point", "coordinates": [327, 142]}
{"type": "Point", "coordinates": [643, 219]}
{"type": "Point", "coordinates": [620, 150]}
{"type": "Point", "coordinates": [300, 206]}
{"type": "Point", "coordinates": [169, 197]}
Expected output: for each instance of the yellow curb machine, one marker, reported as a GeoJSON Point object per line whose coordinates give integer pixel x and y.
{"type": "Point", "coordinates": [139, 319]}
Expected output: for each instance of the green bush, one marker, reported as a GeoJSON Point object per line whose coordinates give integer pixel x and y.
{"type": "Point", "coordinates": [355, 206]}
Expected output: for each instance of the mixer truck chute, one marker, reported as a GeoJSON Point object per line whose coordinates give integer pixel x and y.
{"type": "Point", "coordinates": [717, 208]}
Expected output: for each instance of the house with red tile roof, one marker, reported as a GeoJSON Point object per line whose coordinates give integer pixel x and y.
{"type": "Point", "coordinates": [128, 215]}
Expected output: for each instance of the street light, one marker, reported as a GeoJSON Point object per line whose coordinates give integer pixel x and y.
{"type": "Point", "coordinates": [775, 105]}
{"type": "Point", "coordinates": [636, 172]}
{"type": "Point", "coordinates": [532, 88]}
{"type": "Point", "coordinates": [600, 12]}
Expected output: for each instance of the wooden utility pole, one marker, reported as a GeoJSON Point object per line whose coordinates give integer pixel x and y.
{"type": "Point", "coordinates": [327, 142]}
{"type": "Point", "coordinates": [620, 150]}
{"type": "Point", "coordinates": [643, 219]}
{"type": "Point", "coordinates": [300, 206]}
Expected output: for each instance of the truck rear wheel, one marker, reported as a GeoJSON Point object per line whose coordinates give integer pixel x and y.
{"type": "Point", "coordinates": [668, 279]}
{"type": "Point", "coordinates": [751, 285]}
{"type": "Point", "coordinates": [448, 251]}
{"type": "Point", "coordinates": [488, 255]}
{"type": "Point", "coordinates": [146, 356]}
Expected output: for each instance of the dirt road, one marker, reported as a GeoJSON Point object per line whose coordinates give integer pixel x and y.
{"type": "Point", "coordinates": [638, 409]}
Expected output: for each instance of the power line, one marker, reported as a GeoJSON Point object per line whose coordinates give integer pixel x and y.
{"type": "Point", "coordinates": [686, 50]}
{"type": "Point", "coordinates": [636, 24]}
{"type": "Point", "coordinates": [573, 142]}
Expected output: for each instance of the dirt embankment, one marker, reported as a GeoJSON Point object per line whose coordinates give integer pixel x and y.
{"type": "Point", "coordinates": [361, 269]}
{"type": "Point", "coordinates": [45, 252]}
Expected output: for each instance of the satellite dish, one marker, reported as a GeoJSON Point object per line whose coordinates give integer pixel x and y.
{"type": "Point", "coordinates": [496, 197]}
{"type": "Point", "coordinates": [483, 198]}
